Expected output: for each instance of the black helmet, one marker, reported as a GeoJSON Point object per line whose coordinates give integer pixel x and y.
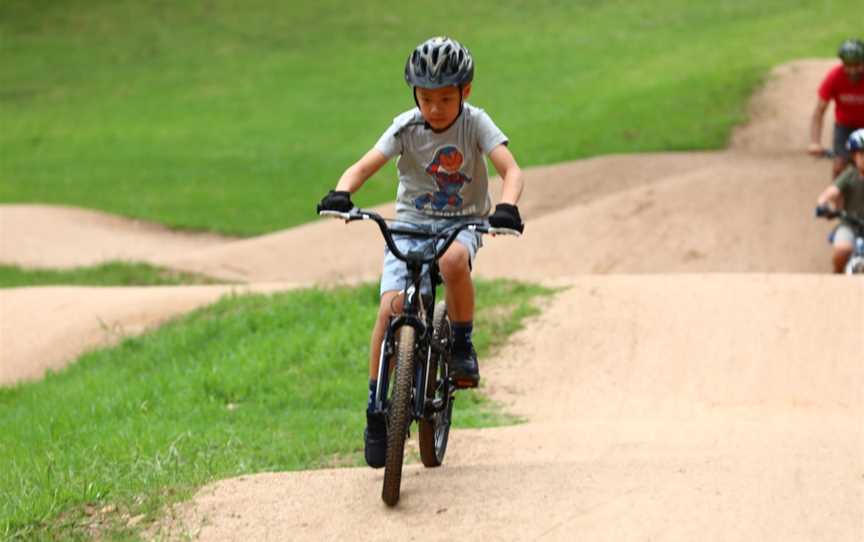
{"type": "Point", "coordinates": [439, 62]}
{"type": "Point", "coordinates": [851, 51]}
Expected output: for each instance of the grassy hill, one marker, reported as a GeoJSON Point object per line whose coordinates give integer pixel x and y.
{"type": "Point", "coordinates": [237, 117]}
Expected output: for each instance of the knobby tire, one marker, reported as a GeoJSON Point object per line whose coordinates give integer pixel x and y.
{"type": "Point", "coordinates": [434, 430]}
{"type": "Point", "coordinates": [399, 416]}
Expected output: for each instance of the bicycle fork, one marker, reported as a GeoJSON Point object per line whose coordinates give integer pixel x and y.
{"type": "Point", "coordinates": [422, 355]}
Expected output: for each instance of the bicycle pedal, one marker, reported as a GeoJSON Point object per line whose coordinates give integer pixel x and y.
{"type": "Point", "coordinates": [465, 383]}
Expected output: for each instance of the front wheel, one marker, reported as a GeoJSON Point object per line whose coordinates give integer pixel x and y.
{"type": "Point", "coordinates": [399, 415]}
{"type": "Point", "coordinates": [855, 265]}
{"type": "Point", "coordinates": [435, 425]}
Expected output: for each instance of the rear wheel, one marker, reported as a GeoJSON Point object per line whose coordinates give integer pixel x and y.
{"type": "Point", "coordinates": [399, 415]}
{"type": "Point", "coordinates": [435, 425]}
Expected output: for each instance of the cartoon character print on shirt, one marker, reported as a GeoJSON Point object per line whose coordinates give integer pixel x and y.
{"type": "Point", "coordinates": [444, 168]}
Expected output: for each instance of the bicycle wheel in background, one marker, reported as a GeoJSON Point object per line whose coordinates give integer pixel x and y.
{"type": "Point", "coordinates": [399, 415]}
{"type": "Point", "coordinates": [435, 427]}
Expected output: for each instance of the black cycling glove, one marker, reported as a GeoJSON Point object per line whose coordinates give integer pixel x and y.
{"type": "Point", "coordinates": [336, 200]}
{"type": "Point", "coordinates": [506, 216]}
{"type": "Point", "coordinates": [824, 211]}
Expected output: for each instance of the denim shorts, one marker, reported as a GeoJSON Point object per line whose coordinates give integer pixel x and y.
{"type": "Point", "coordinates": [843, 235]}
{"type": "Point", "coordinates": [395, 272]}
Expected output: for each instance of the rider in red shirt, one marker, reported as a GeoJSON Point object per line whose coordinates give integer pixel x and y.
{"type": "Point", "coordinates": [845, 85]}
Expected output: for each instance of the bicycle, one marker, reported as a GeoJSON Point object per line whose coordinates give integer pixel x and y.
{"type": "Point", "coordinates": [424, 391]}
{"type": "Point", "coordinates": [855, 265]}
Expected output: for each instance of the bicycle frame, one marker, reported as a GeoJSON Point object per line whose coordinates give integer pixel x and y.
{"type": "Point", "coordinates": [415, 312]}
{"type": "Point", "coordinates": [408, 340]}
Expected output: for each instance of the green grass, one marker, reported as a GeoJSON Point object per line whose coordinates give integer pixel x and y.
{"type": "Point", "coordinates": [250, 384]}
{"type": "Point", "coordinates": [108, 274]}
{"type": "Point", "coordinates": [237, 118]}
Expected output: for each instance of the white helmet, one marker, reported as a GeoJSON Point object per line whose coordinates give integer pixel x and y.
{"type": "Point", "coordinates": [855, 143]}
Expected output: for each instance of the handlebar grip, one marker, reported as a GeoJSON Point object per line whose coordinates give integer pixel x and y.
{"type": "Point", "coordinates": [825, 212]}
{"type": "Point", "coordinates": [335, 214]}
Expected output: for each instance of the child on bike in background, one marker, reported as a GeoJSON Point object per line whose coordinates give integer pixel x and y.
{"type": "Point", "coordinates": [846, 192]}
{"type": "Point", "coordinates": [442, 145]}
{"type": "Point", "coordinates": [845, 85]}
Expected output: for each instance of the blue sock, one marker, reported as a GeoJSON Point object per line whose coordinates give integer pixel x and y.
{"type": "Point", "coordinates": [373, 384]}
{"type": "Point", "coordinates": [462, 335]}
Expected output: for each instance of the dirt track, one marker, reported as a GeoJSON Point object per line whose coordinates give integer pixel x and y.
{"type": "Point", "coordinates": [701, 377]}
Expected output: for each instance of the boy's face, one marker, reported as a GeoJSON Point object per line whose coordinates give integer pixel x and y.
{"type": "Point", "coordinates": [854, 71]}
{"type": "Point", "coordinates": [858, 159]}
{"type": "Point", "coordinates": [440, 106]}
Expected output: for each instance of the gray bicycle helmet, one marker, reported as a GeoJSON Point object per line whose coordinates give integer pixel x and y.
{"type": "Point", "coordinates": [439, 62]}
{"type": "Point", "coordinates": [855, 143]}
{"type": "Point", "coordinates": [851, 51]}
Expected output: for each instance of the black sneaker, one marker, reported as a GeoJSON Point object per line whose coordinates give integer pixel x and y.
{"type": "Point", "coordinates": [464, 369]}
{"type": "Point", "coordinates": [375, 440]}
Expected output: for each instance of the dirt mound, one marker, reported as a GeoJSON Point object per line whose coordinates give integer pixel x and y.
{"type": "Point", "coordinates": [61, 237]}
{"type": "Point", "coordinates": [676, 212]}
{"type": "Point", "coordinates": [728, 214]}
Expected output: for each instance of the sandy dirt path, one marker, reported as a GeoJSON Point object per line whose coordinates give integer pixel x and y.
{"type": "Point", "coordinates": [650, 418]}
{"type": "Point", "coordinates": [699, 377]}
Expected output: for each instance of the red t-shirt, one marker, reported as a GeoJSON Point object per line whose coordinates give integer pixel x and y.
{"type": "Point", "coordinates": [848, 97]}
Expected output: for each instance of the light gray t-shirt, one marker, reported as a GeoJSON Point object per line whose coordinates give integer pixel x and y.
{"type": "Point", "coordinates": [442, 175]}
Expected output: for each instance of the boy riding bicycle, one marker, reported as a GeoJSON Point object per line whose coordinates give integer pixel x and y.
{"type": "Point", "coordinates": [442, 145]}
{"type": "Point", "coordinates": [846, 192]}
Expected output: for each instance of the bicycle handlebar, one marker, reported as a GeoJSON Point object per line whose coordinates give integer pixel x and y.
{"type": "Point", "coordinates": [449, 235]}
{"type": "Point", "coordinates": [828, 213]}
